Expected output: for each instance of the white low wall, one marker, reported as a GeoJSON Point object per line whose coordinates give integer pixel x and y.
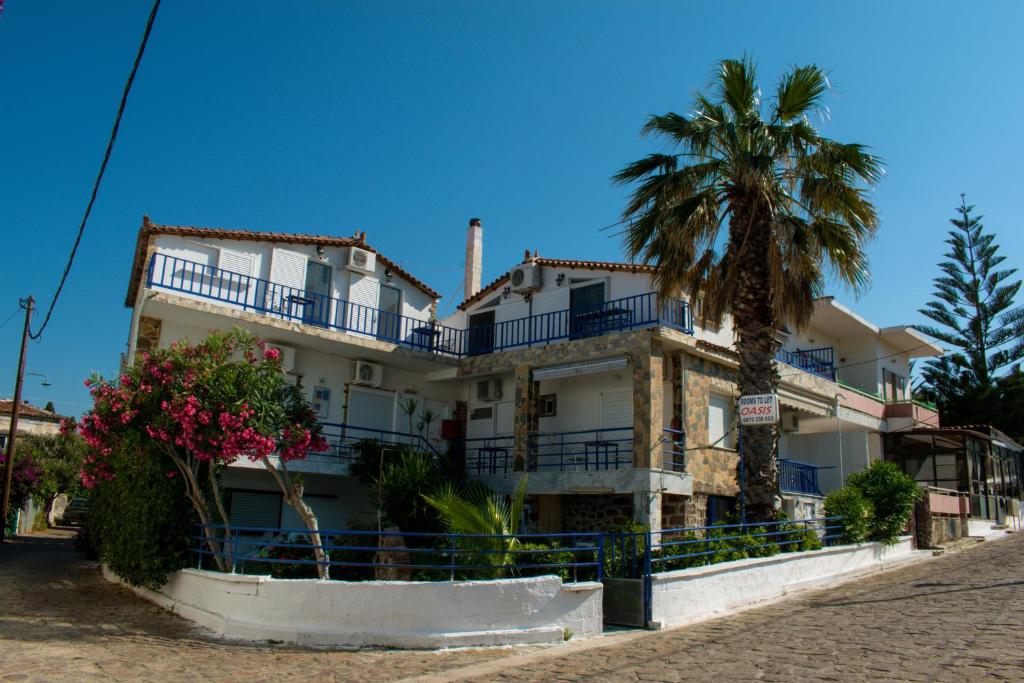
{"type": "Point", "coordinates": [382, 613]}
{"type": "Point", "coordinates": [688, 595]}
{"type": "Point", "coordinates": [984, 528]}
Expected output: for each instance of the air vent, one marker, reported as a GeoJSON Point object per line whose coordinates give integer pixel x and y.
{"type": "Point", "coordinates": [361, 260]}
{"type": "Point", "coordinates": [367, 374]}
{"type": "Point", "coordinates": [488, 390]}
{"type": "Point", "coordinates": [525, 278]}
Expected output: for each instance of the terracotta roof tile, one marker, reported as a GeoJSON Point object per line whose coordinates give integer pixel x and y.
{"type": "Point", "coordinates": [150, 229]}
{"type": "Point", "coordinates": [561, 263]}
{"type": "Point", "coordinates": [29, 411]}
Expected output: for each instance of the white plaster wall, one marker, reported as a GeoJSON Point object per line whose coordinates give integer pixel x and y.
{"type": "Point", "coordinates": [338, 501]}
{"type": "Point", "coordinates": [843, 453]}
{"type": "Point", "coordinates": [415, 302]}
{"type": "Point", "coordinates": [689, 595]}
{"type": "Point", "coordinates": [579, 401]}
{"type": "Point", "coordinates": [856, 364]}
{"type": "Point", "coordinates": [378, 613]}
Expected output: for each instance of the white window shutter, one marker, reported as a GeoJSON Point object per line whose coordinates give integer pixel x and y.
{"type": "Point", "coordinates": [235, 262]}
{"type": "Point", "coordinates": [362, 292]}
{"type": "Point", "coordinates": [288, 268]}
{"type": "Point", "coordinates": [718, 419]}
{"type": "Point", "coordinates": [617, 409]}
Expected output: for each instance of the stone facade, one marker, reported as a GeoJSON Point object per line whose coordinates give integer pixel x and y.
{"type": "Point", "coordinates": [591, 348]}
{"type": "Point", "coordinates": [525, 419]}
{"type": "Point", "coordinates": [596, 512]}
{"type": "Point", "coordinates": [713, 469]}
{"type": "Point", "coordinates": [674, 511]}
{"type": "Point", "coordinates": [148, 337]}
{"type": "Point", "coordinates": [648, 408]}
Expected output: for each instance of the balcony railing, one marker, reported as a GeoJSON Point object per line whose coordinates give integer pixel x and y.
{"type": "Point", "coordinates": [342, 440]}
{"type": "Point", "coordinates": [576, 451]}
{"type": "Point", "coordinates": [674, 451]}
{"type": "Point", "coordinates": [311, 308]}
{"type": "Point", "coordinates": [290, 303]}
{"type": "Point", "coordinates": [627, 313]}
{"type": "Point", "coordinates": [815, 361]}
{"type": "Point", "coordinates": [798, 477]}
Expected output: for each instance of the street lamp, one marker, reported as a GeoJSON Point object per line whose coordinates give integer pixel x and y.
{"type": "Point", "coordinates": [45, 382]}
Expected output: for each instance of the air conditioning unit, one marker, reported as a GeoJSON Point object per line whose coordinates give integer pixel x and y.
{"type": "Point", "coordinates": [790, 422]}
{"type": "Point", "coordinates": [525, 278]}
{"type": "Point", "coordinates": [368, 374]}
{"type": "Point", "coordinates": [361, 260]}
{"type": "Point", "coordinates": [488, 390]}
{"type": "Point", "coordinates": [287, 356]}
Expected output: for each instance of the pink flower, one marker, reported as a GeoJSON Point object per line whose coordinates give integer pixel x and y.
{"type": "Point", "coordinates": [272, 354]}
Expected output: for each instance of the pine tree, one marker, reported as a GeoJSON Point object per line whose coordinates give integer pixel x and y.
{"type": "Point", "coordinates": [973, 306]}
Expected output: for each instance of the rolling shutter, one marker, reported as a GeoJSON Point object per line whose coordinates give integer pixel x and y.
{"type": "Point", "coordinates": [255, 509]}
{"type": "Point", "coordinates": [617, 409]}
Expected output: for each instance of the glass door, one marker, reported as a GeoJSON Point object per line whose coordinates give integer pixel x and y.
{"type": "Point", "coordinates": [390, 315]}
{"type": "Point", "coordinates": [586, 317]}
{"type": "Point", "coordinates": [316, 306]}
{"type": "Point", "coordinates": [481, 333]}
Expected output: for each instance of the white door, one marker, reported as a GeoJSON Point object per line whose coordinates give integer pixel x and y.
{"type": "Point", "coordinates": [504, 418]}
{"type": "Point", "coordinates": [370, 413]}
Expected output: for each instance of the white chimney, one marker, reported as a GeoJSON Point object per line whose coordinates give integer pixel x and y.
{"type": "Point", "coordinates": [474, 257]}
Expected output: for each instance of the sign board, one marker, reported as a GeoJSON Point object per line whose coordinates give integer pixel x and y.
{"type": "Point", "coordinates": [759, 409]}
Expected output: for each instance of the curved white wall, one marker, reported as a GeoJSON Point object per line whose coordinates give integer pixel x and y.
{"type": "Point", "coordinates": [383, 613]}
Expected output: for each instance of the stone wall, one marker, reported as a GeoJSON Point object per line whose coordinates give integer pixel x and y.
{"type": "Point", "coordinates": [148, 337]}
{"type": "Point", "coordinates": [591, 348]}
{"type": "Point", "coordinates": [674, 511]}
{"type": "Point", "coordinates": [713, 469]}
{"type": "Point", "coordinates": [596, 512]}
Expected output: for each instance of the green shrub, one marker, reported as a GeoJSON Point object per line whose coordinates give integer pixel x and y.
{"type": "Point", "coordinates": [530, 554]}
{"type": "Point", "coordinates": [624, 550]}
{"type": "Point", "coordinates": [140, 521]}
{"type": "Point", "coordinates": [892, 494]}
{"type": "Point", "coordinates": [856, 512]}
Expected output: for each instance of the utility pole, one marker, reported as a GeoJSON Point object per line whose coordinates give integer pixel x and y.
{"type": "Point", "coordinates": [27, 304]}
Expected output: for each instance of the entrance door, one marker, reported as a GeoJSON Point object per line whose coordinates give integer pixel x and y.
{"type": "Point", "coordinates": [316, 308]}
{"type": "Point", "coordinates": [389, 319]}
{"type": "Point", "coordinates": [481, 333]}
{"type": "Point", "coordinates": [585, 314]}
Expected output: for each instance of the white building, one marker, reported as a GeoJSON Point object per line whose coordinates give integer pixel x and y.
{"type": "Point", "coordinates": [614, 403]}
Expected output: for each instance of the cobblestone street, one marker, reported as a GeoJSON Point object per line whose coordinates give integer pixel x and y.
{"type": "Point", "coordinates": [958, 617]}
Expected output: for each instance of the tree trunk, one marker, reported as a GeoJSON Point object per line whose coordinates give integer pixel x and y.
{"type": "Point", "coordinates": [292, 491]}
{"type": "Point", "coordinates": [195, 495]}
{"type": "Point", "coordinates": [755, 326]}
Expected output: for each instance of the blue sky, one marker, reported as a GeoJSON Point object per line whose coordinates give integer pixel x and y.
{"type": "Point", "coordinates": [405, 119]}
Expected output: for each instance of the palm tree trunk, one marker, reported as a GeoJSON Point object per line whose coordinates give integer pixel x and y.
{"type": "Point", "coordinates": [755, 327]}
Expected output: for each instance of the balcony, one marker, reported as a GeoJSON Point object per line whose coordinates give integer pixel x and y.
{"type": "Point", "coordinates": [577, 451]}
{"type": "Point", "coordinates": [628, 313]}
{"type": "Point", "coordinates": [299, 305]}
{"type": "Point", "coordinates": [814, 361]}
{"type": "Point", "coordinates": [798, 477]}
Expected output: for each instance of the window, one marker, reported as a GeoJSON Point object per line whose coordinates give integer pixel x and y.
{"type": "Point", "coordinates": [482, 413]}
{"type": "Point", "coordinates": [548, 406]}
{"type": "Point", "coordinates": [720, 411]}
{"type": "Point", "coordinates": [322, 402]}
{"type": "Point", "coordinates": [255, 509]}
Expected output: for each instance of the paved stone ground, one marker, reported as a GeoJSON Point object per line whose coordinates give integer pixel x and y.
{"type": "Point", "coordinates": [61, 621]}
{"type": "Point", "coordinates": [956, 618]}
{"type": "Point", "coordinates": [959, 617]}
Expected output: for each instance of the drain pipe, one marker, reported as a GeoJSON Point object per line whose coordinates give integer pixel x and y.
{"type": "Point", "coordinates": [839, 426]}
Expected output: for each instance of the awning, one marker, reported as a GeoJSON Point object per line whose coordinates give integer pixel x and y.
{"type": "Point", "coordinates": [814, 406]}
{"type": "Point", "coordinates": [583, 368]}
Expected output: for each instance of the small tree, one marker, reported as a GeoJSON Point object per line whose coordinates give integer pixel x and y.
{"type": "Point", "coordinates": [60, 460]}
{"type": "Point", "coordinates": [205, 406]}
{"type": "Point", "coordinates": [892, 495]}
{"type": "Point", "coordinates": [24, 477]}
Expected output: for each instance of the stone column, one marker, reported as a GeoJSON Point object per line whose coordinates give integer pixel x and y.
{"type": "Point", "coordinates": [525, 422]}
{"type": "Point", "coordinates": [648, 409]}
{"type": "Point", "coordinates": [647, 509]}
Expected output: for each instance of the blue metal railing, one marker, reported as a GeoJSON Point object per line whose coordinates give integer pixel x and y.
{"type": "Point", "coordinates": [798, 477]}
{"type": "Point", "coordinates": [356, 554]}
{"type": "Point", "coordinates": [674, 450]}
{"type": "Point", "coordinates": [297, 304]}
{"type": "Point", "coordinates": [575, 451]}
{"type": "Point", "coordinates": [627, 313]}
{"type": "Point", "coordinates": [291, 303]}
{"type": "Point", "coordinates": [815, 361]}
{"type": "Point", "coordinates": [638, 554]}
{"type": "Point", "coordinates": [342, 440]}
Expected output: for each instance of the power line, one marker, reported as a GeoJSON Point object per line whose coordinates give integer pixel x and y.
{"type": "Point", "coordinates": [103, 168]}
{"type": "Point", "coordinates": [10, 318]}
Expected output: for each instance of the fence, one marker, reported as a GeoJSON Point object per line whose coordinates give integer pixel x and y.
{"type": "Point", "coordinates": [798, 477]}
{"type": "Point", "coordinates": [359, 555]}
{"type": "Point", "coordinates": [815, 361]}
{"type": "Point", "coordinates": [355, 555]}
{"type": "Point", "coordinates": [343, 441]}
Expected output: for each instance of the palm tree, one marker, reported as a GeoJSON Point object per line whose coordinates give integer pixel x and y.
{"type": "Point", "coordinates": [491, 523]}
{"type": "Point", "coordinates": [748, 208]}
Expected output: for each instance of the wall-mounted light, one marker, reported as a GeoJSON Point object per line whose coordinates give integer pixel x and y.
{"type": "Point", "coordinates": [559, 279]}
{"type": "Point", "coordinates": [320, 251]}
{"type": "Point", "coordinates": [505, 292]}
{"type": "Point", "coordinates": [388, 274]}
{"type": "Point", "coordinates": [527, 297]}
